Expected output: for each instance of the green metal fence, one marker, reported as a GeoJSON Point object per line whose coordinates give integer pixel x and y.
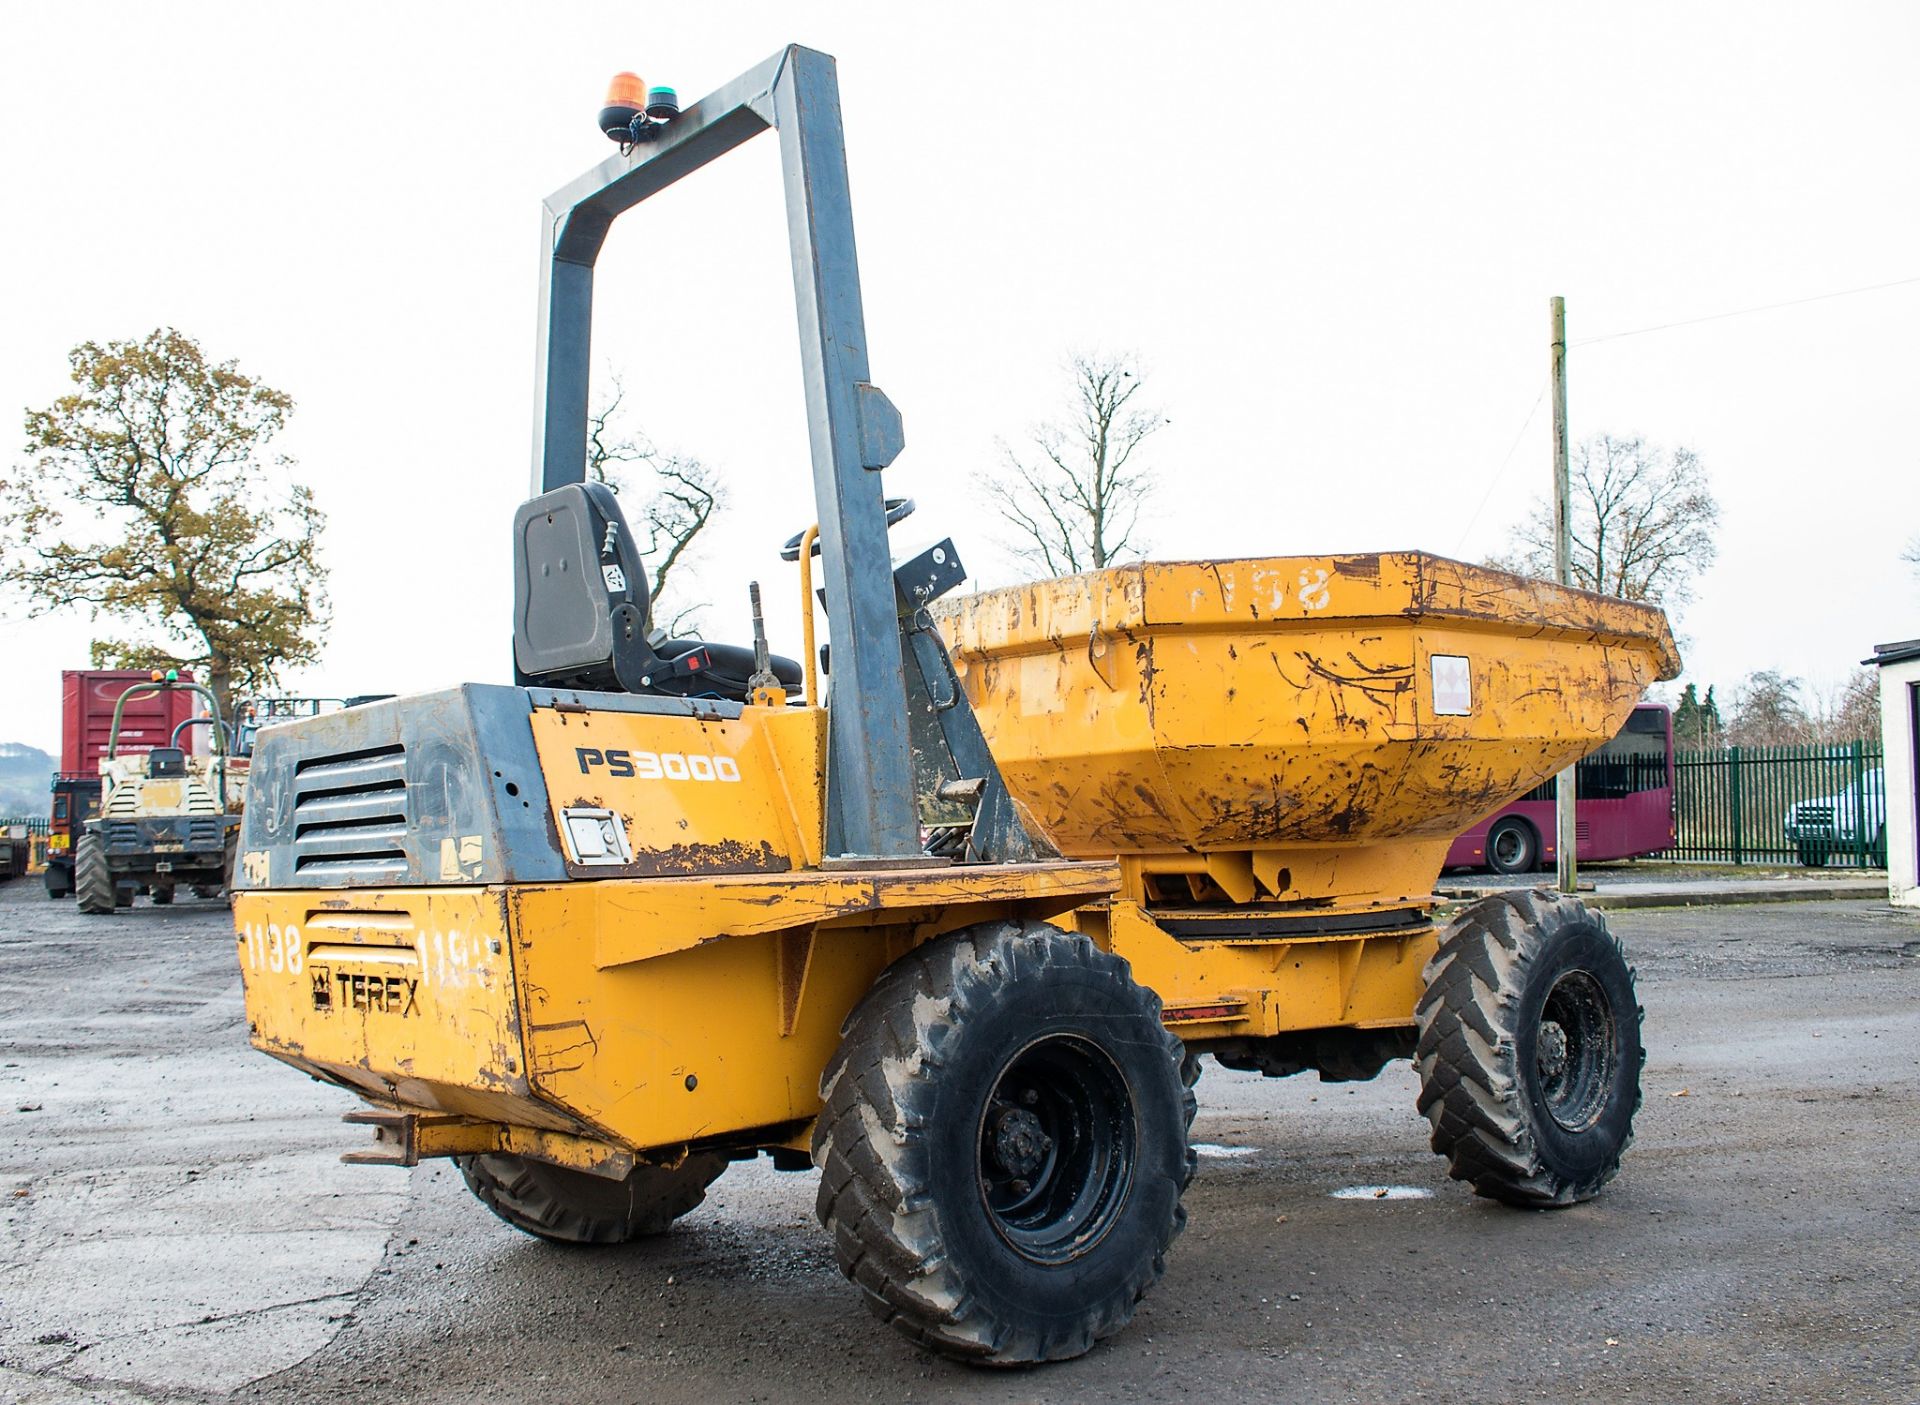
{"type": "Point", "coordinates": [1782, 804]}
{"type": "Point", "coordinates": [36, 825]}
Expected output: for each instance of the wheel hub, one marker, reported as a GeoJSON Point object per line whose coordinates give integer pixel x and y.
{"type": "Point", "coordinates": [1056, 1148]}
{"type": "Point", "coordinates": [1552, 1056]}
{"type": "Point", "coordinates": [1020, 1144]}
{"type": "Point", "coordinates": [1576, 1052]}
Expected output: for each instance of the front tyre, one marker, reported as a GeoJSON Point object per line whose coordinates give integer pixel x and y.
{"type": "Point", "coordinates": [1529, 1049]}
{"type": "Point", "coordinates": [93, 885]}
{"type": "Point", "coordinates": [1004, 1144]}
{"type": "Point", "coordinates": [566, 1206]}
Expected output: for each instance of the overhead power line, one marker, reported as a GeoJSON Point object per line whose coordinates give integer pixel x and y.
{"type": "Point", "coordinates": [1513, 448]}
{"type": "Point", "coordinates": [1500, 472]}
{"type": "Point", "coordinates": [1749, 311]}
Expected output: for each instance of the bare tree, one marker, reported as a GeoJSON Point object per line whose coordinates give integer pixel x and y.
{"type": "Point", "coordinates": [1772, 709]}
{"type": "Point", "coordinates": [1852, 711]}
{"type": "Point", "coordinates": [1643, 521]}
{"type": "Point", "coordinates": [1073, 500]}
{"type": "Point", "coordinates": [685, 495]}
{"type": "Point", "coordinates": [1768, 710]}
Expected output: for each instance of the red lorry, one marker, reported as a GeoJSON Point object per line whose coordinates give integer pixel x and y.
{"type": "Point", "coordinates": [87, 700]}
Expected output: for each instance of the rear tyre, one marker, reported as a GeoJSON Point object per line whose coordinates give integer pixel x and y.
{"type": "Point", "coordinates": [59, 881]}
{"type": "Point", "coordinates": [1529, 1049]}
{"type": "Point", "coordinates": [1513, 847]}
{"type": "Point", "coordinates": [565, 1206]}
{"type": "Point", "coordinates": [93, 884]}
{"type": "Point", "coordinates": [160, 894]}
{"type": "Point", "coordinates": [1004, 1144]}
{"type": "Point", "coordinates": [1813, 855]}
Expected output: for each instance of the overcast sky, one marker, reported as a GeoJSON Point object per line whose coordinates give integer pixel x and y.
{"type": "Point", "coordinates": [1330, 231]}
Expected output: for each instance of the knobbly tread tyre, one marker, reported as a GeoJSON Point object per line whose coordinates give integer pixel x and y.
{"type": "Point", "coordinates": [1476, 1054]}
{"type": "Point", "coordinates": [920, 1057]}
{"type": "Point", "coordinates": [229, 856]}
{"type": "Point", "coordinates": [565, 1206]}
{"type": "Point", "coordinates": [93, 885]}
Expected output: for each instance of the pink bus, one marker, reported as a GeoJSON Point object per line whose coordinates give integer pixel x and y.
{"type": "Point", "coordinates": [1623, 806]}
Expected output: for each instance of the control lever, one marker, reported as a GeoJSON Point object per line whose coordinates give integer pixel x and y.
{"type": "Point", "coordinates": [763, 679]}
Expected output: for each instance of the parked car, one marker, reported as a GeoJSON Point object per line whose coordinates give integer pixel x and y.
{"type": "Point", "coordinates": [1838, 824]}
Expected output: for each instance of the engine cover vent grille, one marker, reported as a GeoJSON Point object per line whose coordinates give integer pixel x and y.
{"type": "Point", "coordinates": [350, 815]}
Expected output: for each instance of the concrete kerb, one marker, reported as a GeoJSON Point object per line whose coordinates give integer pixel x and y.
{"type": "Point", "coordinates": [1718, 893]}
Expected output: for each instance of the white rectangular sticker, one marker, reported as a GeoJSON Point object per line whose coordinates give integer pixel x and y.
{"type": "Point", "coordinates": [1452, 686]}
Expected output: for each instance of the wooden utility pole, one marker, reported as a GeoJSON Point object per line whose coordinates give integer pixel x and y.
{"type": "Point", "coordinates": [1566, 826]}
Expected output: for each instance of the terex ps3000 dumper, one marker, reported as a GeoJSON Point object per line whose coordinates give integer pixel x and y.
{"type": "Point", "coordinates": [652, 908]}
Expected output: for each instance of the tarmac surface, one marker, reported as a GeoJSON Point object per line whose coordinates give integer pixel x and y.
{"type": "Point", "coordinates": [178, 1226]}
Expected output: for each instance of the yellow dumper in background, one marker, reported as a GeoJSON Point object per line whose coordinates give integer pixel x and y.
{"type": "Point", "coordinates": [955, 935]}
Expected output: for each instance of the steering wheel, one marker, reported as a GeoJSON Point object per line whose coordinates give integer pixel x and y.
{"type": "Point", "coordinates": [898, 510]}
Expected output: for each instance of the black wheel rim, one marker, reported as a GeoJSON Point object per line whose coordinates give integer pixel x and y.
{"type": "Point", "coordinates": [1576, 1051]}
{"type": "Point", "coordinates": [1509, 847]}
{"type": "Point", "coordinates": [1056, 1149]}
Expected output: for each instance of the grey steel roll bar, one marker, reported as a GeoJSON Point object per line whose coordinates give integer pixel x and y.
{"type": "Point", "coordinates": [854, 430]}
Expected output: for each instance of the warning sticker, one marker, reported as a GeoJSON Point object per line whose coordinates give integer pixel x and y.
{"type": "Point", "coordinates": [1452, 686]}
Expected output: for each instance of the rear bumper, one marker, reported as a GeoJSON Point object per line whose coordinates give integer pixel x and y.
{"type": "Point", "coordinates": [404, 997]}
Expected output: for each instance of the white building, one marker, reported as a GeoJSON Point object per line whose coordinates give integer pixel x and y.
{"type": "Point", "coordinates": [1900, 733]}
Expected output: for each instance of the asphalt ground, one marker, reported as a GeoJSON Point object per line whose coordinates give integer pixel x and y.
{"type": "Point", "coordinates": [178, 1228]}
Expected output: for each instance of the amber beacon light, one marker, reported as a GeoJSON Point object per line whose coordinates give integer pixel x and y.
{"type": "Point", "coordinates": [626, 100]}
{"type": "Point", "coordinates": [633, 112]}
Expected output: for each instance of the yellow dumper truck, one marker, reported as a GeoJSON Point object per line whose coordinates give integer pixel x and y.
{"type": "Point", "coordinates": [957, 932]}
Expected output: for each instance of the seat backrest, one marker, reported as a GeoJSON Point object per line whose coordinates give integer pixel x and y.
{"type": "Point", "coordinates": [167, 761]}
{"type": "Point", "coordinates": [575, 563]}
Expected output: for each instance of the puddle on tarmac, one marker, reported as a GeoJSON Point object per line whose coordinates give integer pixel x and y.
{"type": "Point", "coordinates": [1382, 1192]}
{"type": "Point", "coordinates": [1227, 1152]}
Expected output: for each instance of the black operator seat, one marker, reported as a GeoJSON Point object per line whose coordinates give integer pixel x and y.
{"type": "Point", "coordinates": [581, 607]}
{"type": "Point", "coordinates": [166, 761]}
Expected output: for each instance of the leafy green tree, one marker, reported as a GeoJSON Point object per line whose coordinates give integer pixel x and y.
{"type": "Point", "coordinates": [1696, 722]}
{"type": "Point", "coordinates": [154, 502]}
